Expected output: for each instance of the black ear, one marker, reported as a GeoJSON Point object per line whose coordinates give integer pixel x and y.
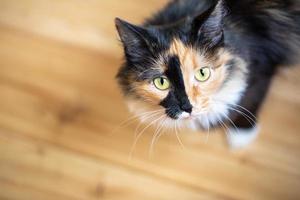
{"type": "Point", "coordinates": [137, 40]}
{"type": "Point", "coordinates": [207, 28]}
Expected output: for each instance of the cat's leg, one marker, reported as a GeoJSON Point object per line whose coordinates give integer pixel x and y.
{"type": "Point", "coordinates": [239, 137]}
{"type": "Point", "coordinates": [243, 126]}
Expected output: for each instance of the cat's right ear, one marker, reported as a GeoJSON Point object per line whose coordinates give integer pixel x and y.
{"type": "Point", "coordinates": [207, 28]}
{"type": "Point", "coordinates": [136, 39]}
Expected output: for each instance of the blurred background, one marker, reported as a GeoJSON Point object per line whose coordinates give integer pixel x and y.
{"type": "Point", "coordinates": [61, 110]}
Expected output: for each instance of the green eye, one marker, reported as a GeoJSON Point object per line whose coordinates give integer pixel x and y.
{"type": "Point", "coordinates": [161, 83]}
{"type": "Point", "coordinates": [203, 74]}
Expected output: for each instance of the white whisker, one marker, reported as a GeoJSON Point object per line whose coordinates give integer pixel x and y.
{"type": "Point", "coordinates": [237, 130]}
{"type": "Point", "coordinates": [208, 127]}
{"type": "Point", "coordinates": [155, 136]}
{"type": "Point", "coordinates": [223, 125]}
{"type": "Point", "coordinates": [132, 119]}
{"type": "Point", "coordinates": [177, 136]}
{"type": "Point", "coordinates": [146, 117]}
{"type": "Point", "coordinates": [247, 117]}
{"type": "Point", "coordinates": [141, 133]}
{"type": "Point", "coordinates": [232, 105]}
{"type": "Point", "coordinates": [245, 110]}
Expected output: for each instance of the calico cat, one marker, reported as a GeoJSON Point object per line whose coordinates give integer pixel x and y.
{"type": "Point", "coordinates": [205, 63]}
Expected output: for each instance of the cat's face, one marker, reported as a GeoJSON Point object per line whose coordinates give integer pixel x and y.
{"type": "Point", "coordinates": [174, 74]}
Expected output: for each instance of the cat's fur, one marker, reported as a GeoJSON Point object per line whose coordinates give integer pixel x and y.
{"type": "Point", "coordinates": [242, 41]}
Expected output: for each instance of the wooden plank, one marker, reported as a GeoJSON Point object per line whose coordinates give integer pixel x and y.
{"type": "Point", "coordinates": [47, 171]}
{"type": "Point", "coordinates": [87, 23]}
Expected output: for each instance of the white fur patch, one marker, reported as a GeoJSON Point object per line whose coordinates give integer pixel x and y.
{"type": "Point", "coordinates": [240, 138]}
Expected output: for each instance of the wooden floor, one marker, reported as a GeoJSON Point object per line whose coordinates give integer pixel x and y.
{"type": "Point", "coordinates": [60, 110]}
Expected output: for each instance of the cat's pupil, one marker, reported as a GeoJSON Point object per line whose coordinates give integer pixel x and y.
{"type": "Point", "coordinates": [202, 72]}
{"type": "Point", "coordinates": [162, 81]}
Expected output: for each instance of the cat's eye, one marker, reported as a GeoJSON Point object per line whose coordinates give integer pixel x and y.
{"type": "Point", "coordinates": [161, 83]}
{"type": "Point", "coordinates": [203, 74]}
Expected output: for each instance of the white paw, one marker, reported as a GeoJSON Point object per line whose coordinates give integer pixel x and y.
{"type": "Point", "coordinates": [240, 138]}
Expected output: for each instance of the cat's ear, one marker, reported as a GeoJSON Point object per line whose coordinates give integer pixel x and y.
{"type": "Point", "coordinates": [207, 28]}
{"type": "Point", "coordinates": [136, 39]}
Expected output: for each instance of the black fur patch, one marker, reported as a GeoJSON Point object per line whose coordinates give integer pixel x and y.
{"type": "Point", "coordinates": [177, 100]}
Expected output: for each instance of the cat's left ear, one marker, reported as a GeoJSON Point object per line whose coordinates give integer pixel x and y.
{"type": "Point", "coordinates": [207, 28]}
{"type": "Point", "coordinates": [138, 41]}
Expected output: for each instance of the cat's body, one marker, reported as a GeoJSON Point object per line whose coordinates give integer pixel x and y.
{"type": "Point", "coordinates": [218, 59]}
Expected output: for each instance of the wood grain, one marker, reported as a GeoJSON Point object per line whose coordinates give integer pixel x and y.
{"type": "Point", "coordinates": [60, 111]}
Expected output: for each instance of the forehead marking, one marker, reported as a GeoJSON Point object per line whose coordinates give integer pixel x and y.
{"type": "Point", "coordinates": [189, 59]}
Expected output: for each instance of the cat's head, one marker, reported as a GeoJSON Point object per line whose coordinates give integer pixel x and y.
{"type": "Point", "coordinates": [181, 72]}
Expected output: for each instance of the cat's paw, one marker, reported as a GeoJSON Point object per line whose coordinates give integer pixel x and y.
{"type": "Point", "coordinates": [240, 138]}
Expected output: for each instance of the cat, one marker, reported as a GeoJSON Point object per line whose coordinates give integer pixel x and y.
{"type": "Point", "coordinates": [204, 64]}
